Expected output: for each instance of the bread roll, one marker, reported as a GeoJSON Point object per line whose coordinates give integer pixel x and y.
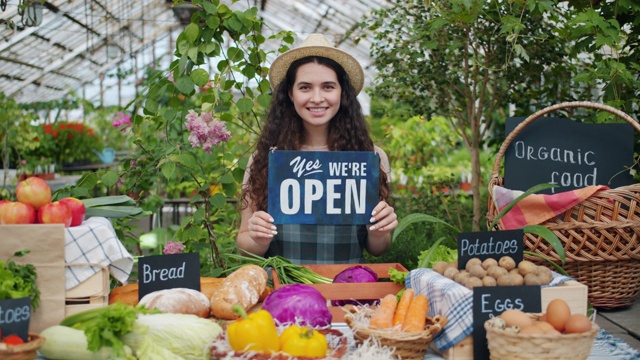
{"type": "Point", "coordinates": [244, 286]}
{"type": "Point", "coordinates": [127, 294]}
{"type": "Point", "coordinates": [178, 301]}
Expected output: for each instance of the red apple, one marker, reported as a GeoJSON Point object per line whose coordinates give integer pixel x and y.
{"type": "Point", "coordinates": [78, 210]}
{"type": "Point", "coordinates": [55, 213]}
{"type": "Point", "coordinates": [33, 191]}
{"type": "Point", "coordinates": [17, 213]}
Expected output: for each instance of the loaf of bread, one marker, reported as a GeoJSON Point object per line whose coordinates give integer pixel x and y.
{"type": "Point", "coordinates": [128, 294]}
{"type": "Point", "coordinates": [178, 301]}
{"type": "Point", "coordinates": [244, 286]}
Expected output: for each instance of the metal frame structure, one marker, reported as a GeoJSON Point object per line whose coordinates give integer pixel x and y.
{"type": "Point", "coordinates": [91, 46]}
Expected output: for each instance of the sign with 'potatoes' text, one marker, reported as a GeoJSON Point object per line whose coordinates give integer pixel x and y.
{"type": "Point", "coordinates": [14, 317]}
{"type": "Point", "coordinates": [323, 187]}
{"type": "Point", "coordinates": [490, 244]}
{"type": "Point", "coordinates": [167, 272]}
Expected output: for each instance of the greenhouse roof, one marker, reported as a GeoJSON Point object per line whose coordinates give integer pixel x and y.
{"type": "Point", "coordinates": [86, 45]}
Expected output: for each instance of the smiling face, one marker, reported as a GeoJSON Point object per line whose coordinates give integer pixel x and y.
{"type": "Point", "coordinates": [316, 95]}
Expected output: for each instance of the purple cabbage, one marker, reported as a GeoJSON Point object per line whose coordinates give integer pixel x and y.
{"type": "Point", "coordinates": [298, 303]}
{"type": "Point", "coordinates": [355, 274]}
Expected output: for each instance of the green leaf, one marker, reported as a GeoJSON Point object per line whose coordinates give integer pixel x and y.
{"type": "Point", "coordinates": [548, 235]}
{"type": "Point", "coordinates": [184, 85]}
{"type": "Point", "coordinates": [264, 100]}
{"type": "Point", "coordinates": [218, 200]}
{"type": "Point", "coordinates": [200, 77]}
{"type": "Point", "coordinates": [234, 54]}
{"type": "Point", "coordinates": [245, 105]}
{"type": "Point", "coordinates": [227, 179]}
{"type": "Point", "coordinates": [108, 200]}
{"type": "Point", "coordinates": [192, 32]}
{"type": "Point", "coordinates": [168, 169]}
{"type": "Point", "coordinates": [414, 218]}
{"type": "Point", "coordinates": [110, 178]}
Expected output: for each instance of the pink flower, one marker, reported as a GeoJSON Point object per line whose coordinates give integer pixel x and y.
{"type": "Point", "coordinates": [173, 247]}
{"type": "Point", "coordinates": [121, 120]}
{"type": "Point", "coordinates": [170, 77]}
{"type": "Point", "coordinates": [206, 131]}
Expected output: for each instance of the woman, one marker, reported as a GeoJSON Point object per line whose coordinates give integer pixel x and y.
{"type": "Point", "coordinates": [314, 108]}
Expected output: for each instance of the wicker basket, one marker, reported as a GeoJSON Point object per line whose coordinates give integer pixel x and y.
{"type": "Point", "coordinates": [26, 351]}
{"type": "Point", "coordinates": [506, 345]}
{"type": "Point", "coordinates": [408, 345]}
{"type": "Point", "coordinates": [600, 235]}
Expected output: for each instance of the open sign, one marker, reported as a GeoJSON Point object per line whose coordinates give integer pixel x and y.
{"type": "Point", "coordinates": [323, 187]}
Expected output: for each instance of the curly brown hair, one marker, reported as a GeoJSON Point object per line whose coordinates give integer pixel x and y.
{"type": "Point", "coordinates": [284, 130]}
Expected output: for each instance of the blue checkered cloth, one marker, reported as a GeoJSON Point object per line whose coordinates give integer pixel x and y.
{"type": "Point", "coordinates": [94, 242]}
{"type": "Point", "coordinates": [448, 298]}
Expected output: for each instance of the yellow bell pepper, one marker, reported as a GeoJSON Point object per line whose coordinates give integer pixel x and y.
{"type": "Point", "coordinates": [253, 332]}
{"type": "Point", "coordinates": [302, 341]}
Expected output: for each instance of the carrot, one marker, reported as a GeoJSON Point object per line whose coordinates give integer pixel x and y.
{"type": "Point", "coordinates": [416, 318]}
{"type": "Point", "coordinates": [382, 318]}
{"type": "Point", "coordinates": [403, 307]}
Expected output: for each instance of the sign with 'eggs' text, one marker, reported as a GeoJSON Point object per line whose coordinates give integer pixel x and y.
{"type": "Point", "coordinates": [494, 300]}
{"type": "Point", "coordinates": [568, 154]}
{"type": "Point", "coordinates": [167, 272]}
{"type": "Point", "coordinates": [323, 187]}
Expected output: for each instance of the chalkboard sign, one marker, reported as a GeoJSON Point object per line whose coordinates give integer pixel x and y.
{"type": "Point", "coordinates": [490, 244]}
{"type": "Point", "coordinates": [15, 315]}
{"type": "Point", "coordinates": [323, 187]}
{"type": "Point", "coordinates": [494, 300]}
{"type": "Point", "coordinates": [167, 272]}
{"type": "Point", "coordinates": [569, 154]}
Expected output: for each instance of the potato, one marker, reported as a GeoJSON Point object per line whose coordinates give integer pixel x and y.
{"type": "Point", "coordinates": [518, 279]}
{"type": "Point", "coordinates": [472, 282]}
{"type": "Point", "coordinates": [450, 272]}
{"type": "Point", "coordinates": [439, 267]}
{"type": "Point", "coordinates": [489, 262]}
{"type": "Point", "coordinates": [532, 279]}
{"type": "Point", "coordinates": [545, 275]}
{"type": "Point", "coordinates": [495, 271]}
{"type": "Point", "coordinates": [477, 271]}
{"type": "Point", "coordinates": [527, 267]}
{"type": "Point", "coordinates": [471, 262]}
{"type": "Point", "coordinates": [506, 280]}
{"type": "Point", "coordinates": [489, 281]}
{"type": "Point", "coordinates": [453, 264]}
{"type": "Point", "coordinates": [507, 263]}
{"type": "Point", "coordinates": [461, 276]}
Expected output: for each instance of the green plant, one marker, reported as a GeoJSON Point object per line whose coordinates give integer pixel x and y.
{"type": "Point", "coordinates": [190, 126]}
{"type": "Point", "coordinates": [540, 230]}
{"type": "Point", "coordinates": [68, 142]}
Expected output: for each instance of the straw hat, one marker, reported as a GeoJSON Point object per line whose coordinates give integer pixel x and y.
{"type": "Point", "coordinates": [317, 45]}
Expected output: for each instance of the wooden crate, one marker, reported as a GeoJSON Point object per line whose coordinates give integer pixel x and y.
{"type": "Point", "coordinates": [90, 294]}
{"type": "Point", "coordinates": [349, 291]}
{"type": "Point", "coordinates": [572, 292]}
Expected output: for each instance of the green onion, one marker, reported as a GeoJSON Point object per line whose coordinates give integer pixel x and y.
{"type": "Point", "coordinates": [288, 272]}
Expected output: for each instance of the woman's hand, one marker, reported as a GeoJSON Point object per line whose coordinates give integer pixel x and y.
{"type": "Point", "coordinates": [261, 228]}
{"type": "Point", "coordinates": [383, 218]}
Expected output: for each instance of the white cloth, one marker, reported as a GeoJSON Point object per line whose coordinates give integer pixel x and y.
{"type": "Point", "coordinates": [94, 242]}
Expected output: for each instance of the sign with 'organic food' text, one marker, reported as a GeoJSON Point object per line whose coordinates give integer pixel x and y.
{"type": "Point", "coordinates": [323, 187]}
{"type": "Point", "coordinates": [569, 154]}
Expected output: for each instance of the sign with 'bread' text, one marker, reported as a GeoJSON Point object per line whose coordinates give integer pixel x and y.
{"type": "Point", "coordinates": [323, 187]}
{"type": "Point", "coordinates": [162, 272]}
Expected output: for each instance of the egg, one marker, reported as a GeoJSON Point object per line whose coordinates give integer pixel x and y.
{"type": "Point", "coordinates": [558, 312]}
{"type": "Point", "coordinates": [534, 329]}
{"type": "Point", "coordinates": [548, 328]}
{"type": "Point", "coordinates": [513, 317]}
{"type": "Point", "coordinates": [578, 323]}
